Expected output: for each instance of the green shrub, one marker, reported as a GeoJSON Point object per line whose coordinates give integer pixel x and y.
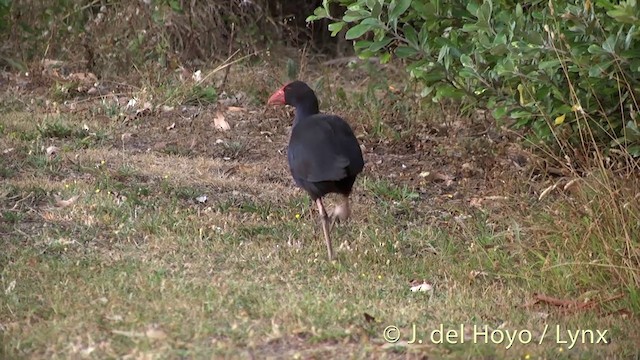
{"type": "Point", "coordinates": [550, 66]}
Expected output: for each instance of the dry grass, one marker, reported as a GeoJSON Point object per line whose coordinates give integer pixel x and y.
{"type": "Point", "coordinates": [136, 267]}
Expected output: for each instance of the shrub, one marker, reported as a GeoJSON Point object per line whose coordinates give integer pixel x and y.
{"type": "Point", "coordinates": [568, 72]}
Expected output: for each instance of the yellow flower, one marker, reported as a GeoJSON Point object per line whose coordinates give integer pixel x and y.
{"type": "Point", "coordinates": [97, 191]}
{"type": "Point", "coordinates": [298, 216]}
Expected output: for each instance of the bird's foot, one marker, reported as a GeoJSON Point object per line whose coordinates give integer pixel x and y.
{"type": "Point", "coordinates": [339, 213]}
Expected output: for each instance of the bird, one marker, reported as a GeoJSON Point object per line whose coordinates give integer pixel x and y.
{"type": "Point", "coordinates": [323, 153]}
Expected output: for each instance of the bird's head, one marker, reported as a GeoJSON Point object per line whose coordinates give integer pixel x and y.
{"type": "Point", "coordinates": [294, 93]}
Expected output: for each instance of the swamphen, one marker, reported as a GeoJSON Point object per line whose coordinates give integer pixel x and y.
{"type": "Point", "coordinates": [324, 154]}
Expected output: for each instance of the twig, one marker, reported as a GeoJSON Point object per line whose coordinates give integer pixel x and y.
{"type": "Point", "coordinates": [21, 200]}
{"type": "Point", "coordinates": [569, 304]}
{"type": "Point", "coordinates": [226, 71]}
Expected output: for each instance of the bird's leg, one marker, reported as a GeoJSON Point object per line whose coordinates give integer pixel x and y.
{"type": "Point", "coordinates": [341, 212]}
{"type": "Point", "coordinates": [324, 218]}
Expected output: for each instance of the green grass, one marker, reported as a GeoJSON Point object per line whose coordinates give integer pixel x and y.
{"type": "Point", "coordinates": [136, 267]}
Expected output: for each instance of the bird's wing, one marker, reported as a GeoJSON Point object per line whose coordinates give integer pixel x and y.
{"type": "Point", "coordinates": [317, 150]}
{"type": "Point", "coordinates": [349, 146]}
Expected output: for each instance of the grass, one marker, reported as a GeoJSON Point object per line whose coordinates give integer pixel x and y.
{"type": "Point", "coordinates": [136, 267]}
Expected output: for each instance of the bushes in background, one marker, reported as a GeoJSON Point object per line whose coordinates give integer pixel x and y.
{"type": "Point", "coordinates": [119, 36]}
{"type": "Point", "coordinates": [569, 71]}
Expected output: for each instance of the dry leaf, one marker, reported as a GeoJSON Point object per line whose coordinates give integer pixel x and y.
{"type": "Point", "coordinates": [475, 273]}
{"type": "Point", "coordinates": [541, 315]}
{"type": "Point", "coordinates": [155, 333]}
{"type": "Point", "coordinates": [9, 289]}
{"type": "Point", "coordinates": [470, 169]}
{"type": "Point", "coordinates": [171, 127]}
{"type": "Point", "coordinates": [235, 109]}
{"type": "Point", "coordinates": [145, 110]}
{"type": "Point", "coordinates": [49, 63]}
{"type": "Point", "coordinates": [220, 123]}
{"type": "Point", "coordinates": [52, 151]}
{"type": "Point", "coordinates": [546, 191]}
{"type": "Point", "coordinates": [571, 185]}
{"type": "Point", "coordinates": [202, 199]}
{"type": "Point", "coordinates": [424, 287]}
{"type": "Point", "coordinates": [475, 202]}
{"type": "Point", "coordinates": [64, 203]}
{"type": "Point", "coordinates": [126, 136]}
{"type": "Point", "coordinates": [132, 102]}
{"type": "Point", "coordinates": [83, 77]}
{"type": "Point", "coordinates": [197, 76]}
{"type": "Point", "coordinates": [369, 318]}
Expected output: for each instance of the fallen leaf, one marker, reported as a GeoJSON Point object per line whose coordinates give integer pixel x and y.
{"type": "Point", "coordinates": [126, 136]}
{"type": "Point", "coordinates": [475, 273]}
{"type": "Point", "coordinates": [83, 77]}
{"type": "Point", "coordinates": [576, 107]}
{"type": "Point", "coordinates": [132, 102]}
{"type": "Point", "coordinates": [52, 151]}
{"type": "Point", "coordinates": [64, 203]}
{"type": "Point", "coordinates": [546, 191]}
{"type": "Point", "coordinates": [470, 169]}
{"type": "Point", "coordinates": [220, 123]}
{"type": "Point", "coordinates": [171, 127]}
{"type": "Point", "coordinates": [9, 289]}
{"type": "Point", "coordinates": [235, 109]}
{"type": "Point", "coordinates": [49, 63]}
{"type": "Point", "coordinates": [202, 199]}
{"type": "Point", "coordinates": [560, 119]}
{"type": "Point", "coordinates": [424, 287]}
{"type": "Point", "coordinates": [197, 76]}
{"type": "Point", "coordinates": [541, 315]}
{"type": "Point", "coordinates": [475, 202]}
{"type": "Point", "coordinates": [571, 184]}
{"type": "Point", "coordinates": [368, 318]}
{"type": "Point", "coordinates": [155, 333]}
{"type": "Point", "coordinates": [570, 304]}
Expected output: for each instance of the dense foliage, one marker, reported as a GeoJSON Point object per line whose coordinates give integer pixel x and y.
{"type": "Point", "coordinates": [114, 37]}
{"type": "Point", "coordinates": [552, 66]}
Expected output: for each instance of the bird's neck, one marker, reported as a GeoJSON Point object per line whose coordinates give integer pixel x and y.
{"type": "Point", "coordinates": [304, 109]}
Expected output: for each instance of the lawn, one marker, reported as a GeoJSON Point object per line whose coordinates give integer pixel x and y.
{"type": "Point", "coordinates": [136, 231]}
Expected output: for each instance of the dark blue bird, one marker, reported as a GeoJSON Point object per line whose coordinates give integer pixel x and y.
{"type": "Point", "coordinates": [324, 154]}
